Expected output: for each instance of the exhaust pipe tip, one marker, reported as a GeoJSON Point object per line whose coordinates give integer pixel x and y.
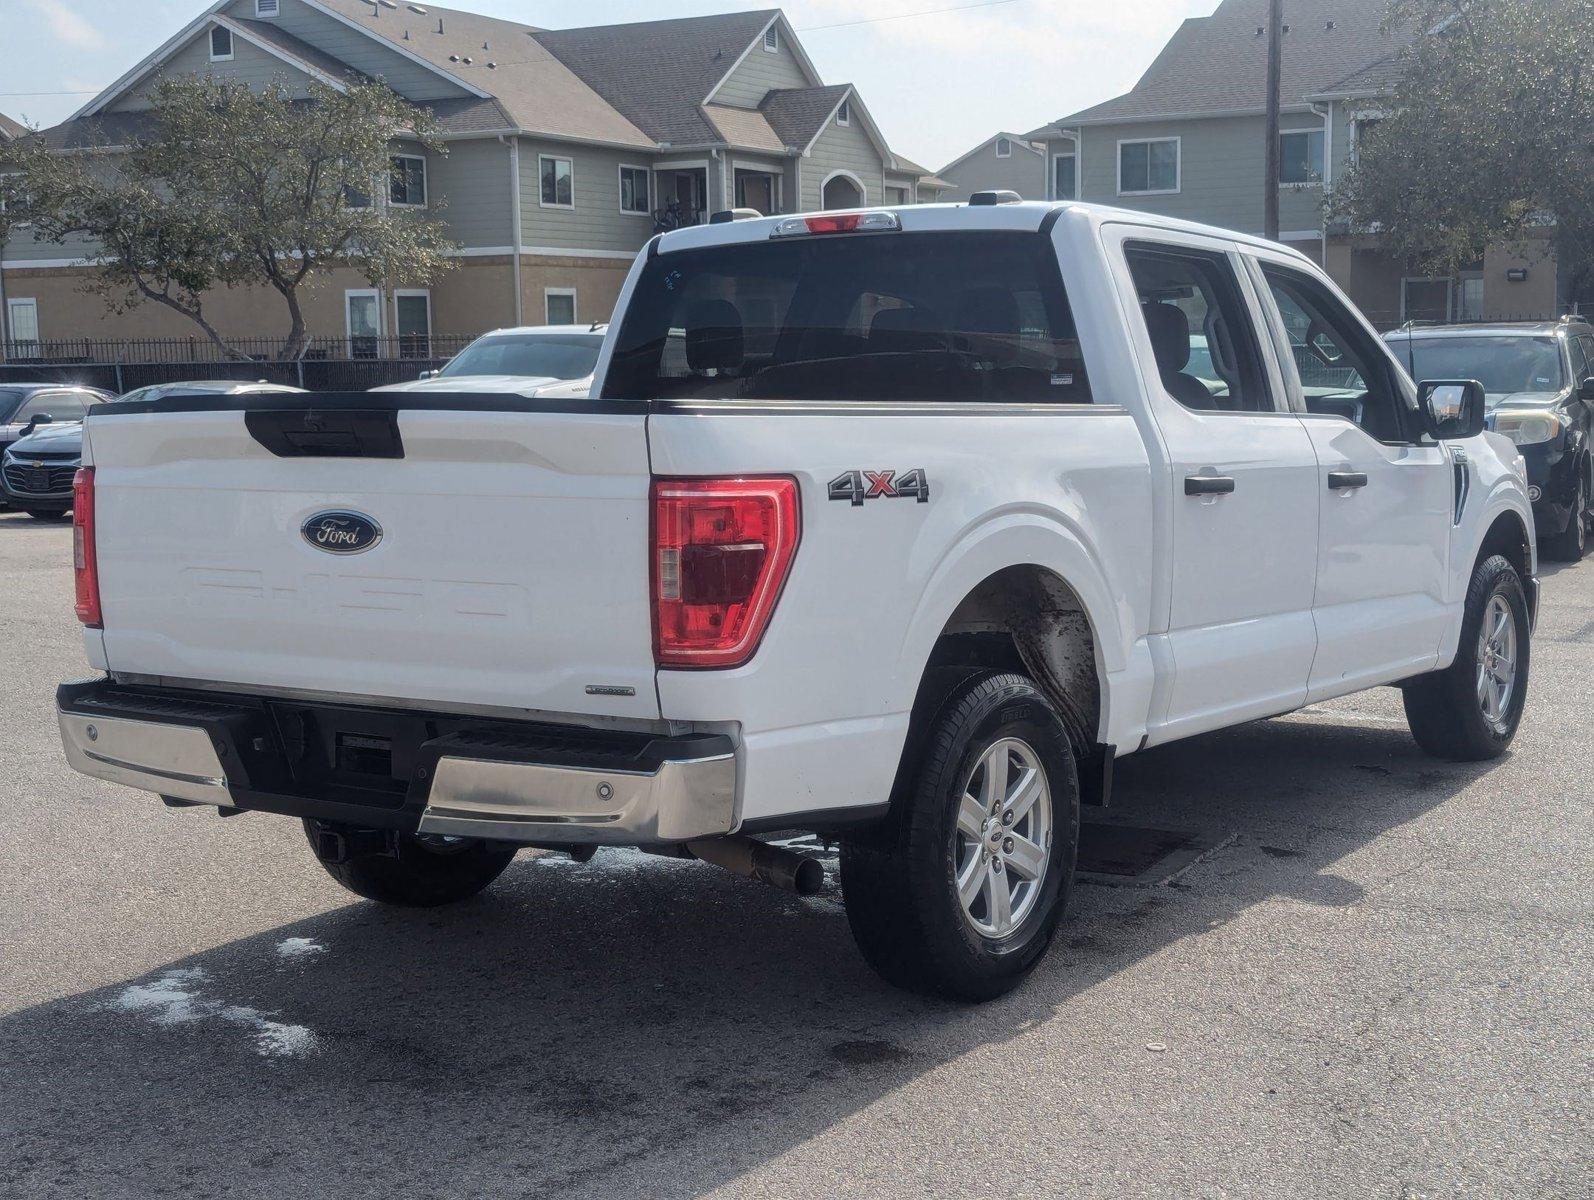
{"type": "Point", "coordinates": [808, 879]}
{"type": "Point", "coordinates": [775, 865]}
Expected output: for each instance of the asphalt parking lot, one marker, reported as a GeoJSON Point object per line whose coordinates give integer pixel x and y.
{"type": "Point", "coordinates": [1377, 985]}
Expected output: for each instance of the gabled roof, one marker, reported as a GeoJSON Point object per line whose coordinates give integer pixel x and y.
{"type": "Point", "coordinates": [11, 130]}
{"type": "Point", "coordinates": [798, 114]}
{"type": "Point", "coordinates": [657, 74]}
{"type": "Point", "coordinates": [296, 51]}
{"type": "Point", "coordinates": [1218, 64]}
{"type": "Point", "coordinates": [1378, 79]}
{"type": "Point", "coordinates": [1018, 141]}
{"type": "Point", "coordinates": [746, 128]}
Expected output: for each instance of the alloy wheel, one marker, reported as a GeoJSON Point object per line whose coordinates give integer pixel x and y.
{"type": "Point", "coordinates": [1003, 840]}
{"type": "Point", "coordinates": [1497, 661]}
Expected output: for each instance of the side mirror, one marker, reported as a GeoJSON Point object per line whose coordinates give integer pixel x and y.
{"type": "Point", "coordinates": [1586, 390]}
{"type": "Point", "coordinates": [432, 374]}
{"type": "Point", "coordinates": [1452, 408]}
{"type": "Point", "coordinates": [38, 419]}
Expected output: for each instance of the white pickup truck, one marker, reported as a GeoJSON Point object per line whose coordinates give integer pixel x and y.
{"type": "Point", "coordinates": [897, 526]}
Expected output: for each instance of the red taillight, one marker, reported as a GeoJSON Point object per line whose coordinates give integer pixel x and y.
{"type": "Point", "coordinates": [721, 551]}
{"type": "Point", "coordinates": [84, 566]}
{"type": "Point", "coordinates": [840, 223]}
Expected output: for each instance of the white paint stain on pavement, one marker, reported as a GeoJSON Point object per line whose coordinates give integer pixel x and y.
{"type": "Point", "coordinates": [175, 999]}
{"type": "Point", "coordinates": [299, 947]}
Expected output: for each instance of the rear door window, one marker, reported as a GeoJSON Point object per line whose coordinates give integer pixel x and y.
{"type": "Point", "coordinates": [892, 316]}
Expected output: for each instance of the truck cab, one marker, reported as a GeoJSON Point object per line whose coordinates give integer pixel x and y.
{"type": "Point", "coordinates": [897, 525]}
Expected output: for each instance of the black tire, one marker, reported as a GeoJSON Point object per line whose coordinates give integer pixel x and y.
{"type": "Point", "coordinates": [900, 882]}
{"type": "Point", "coordinates": [46, 514]}
{"type": "Point", "coordinates": [1443, 707]}
{"type": "Point", "coordinates": [422, 875]}
{"type": "Point", "coordinates": [1572, 542]}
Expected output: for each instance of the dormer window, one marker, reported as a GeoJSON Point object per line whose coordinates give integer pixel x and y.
{"type": "Point", "coordinates": [267, 8]}
{"type": "Point", "coordinates": [220, 44]}
{"type": "Point", "coordinates": [844, 113]}
{"type": "Point", "coordinates": [1004, 148]}
{"type": "Point", "coordinates": [772, 40]}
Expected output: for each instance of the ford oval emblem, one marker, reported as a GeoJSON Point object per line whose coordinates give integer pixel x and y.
{"type": "Point", "coordinates": [338, 531]}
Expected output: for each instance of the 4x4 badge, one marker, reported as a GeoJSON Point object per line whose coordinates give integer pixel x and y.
{"type": "Point", "coordinates": [857, 486]}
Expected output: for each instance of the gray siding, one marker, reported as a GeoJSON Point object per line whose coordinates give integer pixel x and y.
{"type": "Point", "coordinates": [1023, 171]}
{"type": "Point", "coordinates": [23, 248]}
{"type": "Point", "coordinates": [596, 222]}
{"type": "Point", "coordinates": [841, 148]}
{"type": "Point", "coordinates": [759, 73]}
{"type": "Point", "coordinates": [1222, 163]}
{"type": "Point", "coordinates": [362, 51]}
{"type": "Point", "coordinates": [472, 181]}
{"type": "Point", "coordinates": [249, 64]}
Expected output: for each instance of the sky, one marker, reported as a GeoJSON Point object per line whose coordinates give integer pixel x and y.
{"type": "Point", "coordinates": [937, 82]}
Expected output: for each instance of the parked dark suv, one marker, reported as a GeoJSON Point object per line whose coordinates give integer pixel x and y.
{"type": "Point", "coordinates": [1538, 378]}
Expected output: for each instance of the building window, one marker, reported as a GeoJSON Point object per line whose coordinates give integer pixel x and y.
{"type": "Point", "coordinates": [1301, 157]}
{"type": "Point", "coordinates": [1148, 166]}
{"type": "Point", "coordinates": [772, 40]}
{"type": "Point", "coordinates": [757, 189]}
{"type": "Point", "coordinates": [22, 327]}
{"type": "Point", "coordinates": [267, 8]}
{"type": "Point", "coordinates": [1065, 177]}
{"type": "Point", "coordinates": [412, 321]}
{"type": "Point", "coordinates": [1004, 148]}
{"type": "Point", "coordinates": [362, 321]}
{"type": "Point", "coordinates": [844, 113]}
{"type": "Point", "coordinates": [1427, 301]}
{"type": "Point", "coordinates": [559, 304]}
{"type": "Point", "coordinates": [220, 44]}
{"type": "Point", "coordinates": [636, 192]}
{"type": "Point", "coordinates": [558, 182]}
{"type": "Point", "coordinates": [407, 184]}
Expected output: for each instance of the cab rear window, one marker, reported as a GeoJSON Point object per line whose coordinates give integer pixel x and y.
{"type": "Point", "coordinates": [898, 316]}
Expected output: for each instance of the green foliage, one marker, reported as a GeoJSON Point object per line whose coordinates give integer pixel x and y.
{"type": "Point", "coordinates": [230, 187]}
{"type": "Point", "coordinates": [1490, 137]}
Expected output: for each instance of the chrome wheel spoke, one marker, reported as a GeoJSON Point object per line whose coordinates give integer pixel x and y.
{"type": "Point", "coordinates": [1024, 794]}
{"type": "Point", "coordinates": [1001, 900]}
{"type": "Point", "coordinates": [971, 882]}
{"type": "Point", "coordinates": [971, 818]}
{"type": "Point", "coordinates": [993, 786]}
{"type": "Point", "coordinates": [1026, 858]}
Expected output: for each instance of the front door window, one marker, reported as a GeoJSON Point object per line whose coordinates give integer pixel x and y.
{"type": "Point", "coordinates": [414, 311]}
{"type": "Point", "coordinates": [23, 328]}
{"type": "Point", "coordinates": [364, 323]}
{"type": "Point", "coordinates": [756, 190]}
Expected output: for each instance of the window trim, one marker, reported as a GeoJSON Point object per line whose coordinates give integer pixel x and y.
{"type": "Point", "coordinates": [556, 158]}
{"type": "Point", "coordinates": [575, 311]}
{"type": "Point", "coordinates": [1000, 142]}
{"type": "Point", "coordinates": [426, 183]}
{"type": "Point", "coordinates": [409, 294]}
{"type": "Point", "coordinates": [771, 39]}
{"type": "Point", "coordinates": [844, 113]}
{"type": "Point", "coordinates": [348, 324]}
{"type": "Point", "coordinates": [232, 44]}
{"type": "Point", "coordinates": [619, 176]}
{"type": "Point", "coordinates": [1322, 174]}
{"type": "Point", "coordinates": [13, 303]}
{"type": "Point", "coordinates": [1178, 165]}
{"type": "Point", "coordinates": [261, 9]}
{"type": "Point", "coordinates": [1056, 158]}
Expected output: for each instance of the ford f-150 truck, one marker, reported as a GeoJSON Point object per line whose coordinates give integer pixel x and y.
{"type": "Point", "coordinates": [897, 526]}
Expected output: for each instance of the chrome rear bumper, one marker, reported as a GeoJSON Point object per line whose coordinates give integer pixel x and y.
{"type": "Point", "coordinates": [531, 789]}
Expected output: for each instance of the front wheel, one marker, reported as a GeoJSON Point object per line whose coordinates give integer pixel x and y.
{"type": "Point", "coordinates": [960, 894]}
{"type": "Point", "coordinates": [1470, 710]}
{"type": "Point", "coordinates": [426, 871]}
{"type": "Point", "coordinates": [1572, 542]}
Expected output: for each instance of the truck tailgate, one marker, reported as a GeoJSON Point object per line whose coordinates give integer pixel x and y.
{"type": "Point", "coordinates": [510, 569]}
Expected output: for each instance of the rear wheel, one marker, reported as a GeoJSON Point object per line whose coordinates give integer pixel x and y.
{"type": "Point", "coordinates": [1572, 542]}
{"type": "Point", "coordinates": [961, 893]}
{"type": "Point", "coordinates": [426, 872]}
{"type": "Point", "coordinates": [1470, 710]}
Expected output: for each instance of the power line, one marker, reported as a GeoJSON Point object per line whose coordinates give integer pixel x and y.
{"type": "Point", "coordinates": [931, 12]}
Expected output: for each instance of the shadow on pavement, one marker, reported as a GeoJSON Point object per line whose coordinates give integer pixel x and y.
{"type": "Point", "coordinates": [634, 1026]}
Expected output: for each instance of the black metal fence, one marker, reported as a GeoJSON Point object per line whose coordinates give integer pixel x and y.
{"type": "Point", "coordinates": [332, 364]}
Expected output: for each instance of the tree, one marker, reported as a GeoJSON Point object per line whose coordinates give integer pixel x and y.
{"type": "Point", "coordinates": [1490, 139]}
{"type": "Point", "coordinates": [229, 187]}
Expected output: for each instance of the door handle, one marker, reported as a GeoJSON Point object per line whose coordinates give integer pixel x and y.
{"type": "Point", "coordinates": [1208, 485]}
{"type": "Point", "coordinates": [1346, 479]}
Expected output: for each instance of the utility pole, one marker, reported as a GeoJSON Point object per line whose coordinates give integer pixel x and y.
{"type": "Point", "coordinates": [1270, 182]}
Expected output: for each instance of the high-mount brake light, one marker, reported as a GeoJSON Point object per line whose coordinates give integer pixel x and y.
{"type": "Point", "coordinates": [85, 566]}
{"type": "Point", "coordinates": [848, 222]}
{"type": "Point", "coordinates": [722, 549]}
